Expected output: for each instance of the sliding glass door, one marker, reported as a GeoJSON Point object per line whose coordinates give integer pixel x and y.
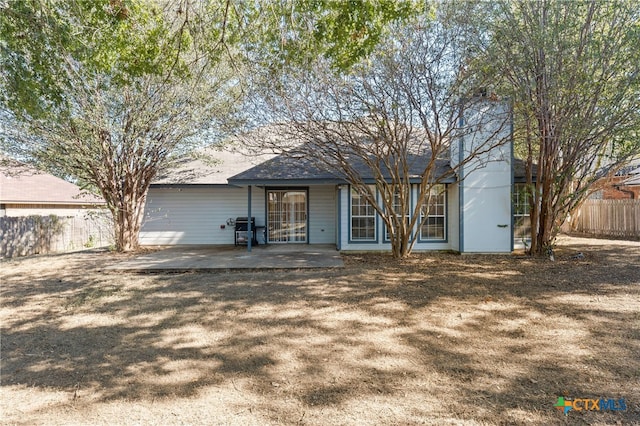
{"type": "Point", "coordinates": [287, 216]}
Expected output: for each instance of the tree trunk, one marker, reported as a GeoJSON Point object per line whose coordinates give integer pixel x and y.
{"type": "Point", "coordinates": [534, 214]}
{"type": "Point", "coordinates": [545, 227]}
{"type": "Point", "coordinates": [400, 242]}
{"type": "Point", "coordinates": [547, 155]}
{"type": "Point", "coordinates": [127, 216]}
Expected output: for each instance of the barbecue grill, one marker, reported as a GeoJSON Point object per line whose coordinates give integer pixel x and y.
{"type": "Point", "coordinates": [242, 231]}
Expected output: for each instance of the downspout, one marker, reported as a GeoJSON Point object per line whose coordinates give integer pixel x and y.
{"type": "Point", "coordinates": [249, 224]}
{"type": "Point", "coordinates": [339, 218]}
{"type": "Point", "coordinates": [461, 187]}
{"type": "Point", "coordinates": [513, 184]}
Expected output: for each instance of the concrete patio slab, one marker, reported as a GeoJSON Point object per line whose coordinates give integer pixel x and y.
{"type": "Point", "coordinates": [209, 258]}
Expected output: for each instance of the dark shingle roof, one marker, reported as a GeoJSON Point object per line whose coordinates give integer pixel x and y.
{"type": "Point", "coordinates": [284, 168]}
{"type": "Point", "coordinates": [287, 169]}
{"type": "Point", "coordinates": [236, 164]}
{"type": "Point", "coordinates": [519, 174]}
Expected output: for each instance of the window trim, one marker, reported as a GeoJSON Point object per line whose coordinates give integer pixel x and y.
{"type": "Point", "coordinates": [351, 216]}
{"type": "Point", "coordinates": [422, 239]}
{"type": "Point", "coordinates": [516, 195]}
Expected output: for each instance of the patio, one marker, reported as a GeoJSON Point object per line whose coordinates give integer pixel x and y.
{"type": "Point", "coordinates": [211, 258]}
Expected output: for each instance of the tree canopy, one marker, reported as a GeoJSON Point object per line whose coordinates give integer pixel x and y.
{"type": "Point", "coordinates": [106, 92]}
{"type": "Point", "coordinates": [294, 33]}
{"type": "Point", "coordinates": [572, 70]}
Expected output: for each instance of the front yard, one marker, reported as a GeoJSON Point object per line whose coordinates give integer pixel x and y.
{"type": "Point", "coordinates": [438, 339]}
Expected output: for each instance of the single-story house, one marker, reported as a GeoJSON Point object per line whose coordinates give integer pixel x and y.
{"type": "Point", "coordinates": [295, 202]}
{"type": "Point", "coordinates": [26, 191]}
{"type": "Point", "coordinates": [634, 181]}
{"type": "Point", "coordinates": [623, 185]}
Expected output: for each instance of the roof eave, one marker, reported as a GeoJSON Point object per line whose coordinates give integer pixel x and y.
{"type": "Point", "coordinates": [286, 182]}
{"type": "Point", "coordinates": [187, 185]}
{"type": "Point", "coordinates": [55, 203]}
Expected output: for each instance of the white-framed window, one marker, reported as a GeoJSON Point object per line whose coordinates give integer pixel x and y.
{"type": "Point", "coordinates": [363, 217]}
{"type": "Point", "coordinates": [521, 210]}
{"type": "Point", "coordinates": [434, 226]}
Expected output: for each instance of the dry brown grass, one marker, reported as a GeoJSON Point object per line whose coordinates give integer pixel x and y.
{"type": "Point", "coordinates": [438, 339]}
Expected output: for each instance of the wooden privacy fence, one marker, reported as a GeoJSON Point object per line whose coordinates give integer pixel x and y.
{"type": "Point", "coordinates": [608, 218]}
{"type": "Point", "coordinates": [23, 236]}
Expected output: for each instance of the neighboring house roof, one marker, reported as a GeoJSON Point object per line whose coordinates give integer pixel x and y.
{"type": "Point", "coordinates": [24, 184]}
{"type": "Point", "coordinates": [632, 171]}
{"type": "Point", "coordinates": [634, 180]}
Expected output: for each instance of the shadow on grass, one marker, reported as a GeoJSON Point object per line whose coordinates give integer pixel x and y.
{"type": "Point", "coordinates": [491, 339]}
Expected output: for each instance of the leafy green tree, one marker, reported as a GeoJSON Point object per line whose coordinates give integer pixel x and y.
{"type": "Point", "coordinates": [297, 32]}
{"type": "Point", "coordinates": [572, 70]}
{"type": "Point", "coordinates": [109, 91]}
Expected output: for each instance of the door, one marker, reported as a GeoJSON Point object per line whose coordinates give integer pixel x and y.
{"type": "Point", "coordinates": [287, 216]}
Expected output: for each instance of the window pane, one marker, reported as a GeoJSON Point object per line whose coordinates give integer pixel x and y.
{"type": "Point", "coordinates": [362, 218]}
{"type": "Point", "coordinates": [520, 200]}
{"type": "Point", "coordinates": [434, 226]}
{"type": "Point", "coordinates": [521, 208]}
{"type": "Point", "coordinates": [362, 228]}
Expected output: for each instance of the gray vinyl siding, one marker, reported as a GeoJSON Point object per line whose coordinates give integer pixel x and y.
{"type": "Point", "coordinates": [183, 216]}
{"type": "Point", "coordinates": [322, 214]}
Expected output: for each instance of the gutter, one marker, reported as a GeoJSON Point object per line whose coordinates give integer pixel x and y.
{"type": "Point", "coordinates": [632, 194]}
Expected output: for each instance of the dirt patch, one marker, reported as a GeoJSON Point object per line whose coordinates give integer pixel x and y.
{"type": "Point", "coordinates": [436, 339]}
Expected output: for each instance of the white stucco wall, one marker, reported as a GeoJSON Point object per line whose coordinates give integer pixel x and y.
{"type": "Point", "coordinates": [486, 183]}
{"type": "Point", "coordinates": [486, 213]}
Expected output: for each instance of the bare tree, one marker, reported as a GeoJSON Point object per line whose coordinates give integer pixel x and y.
{"type": "Point", "coordinates": [572, 69]}
{"type": "Point", "coordinates": [390, 122]}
